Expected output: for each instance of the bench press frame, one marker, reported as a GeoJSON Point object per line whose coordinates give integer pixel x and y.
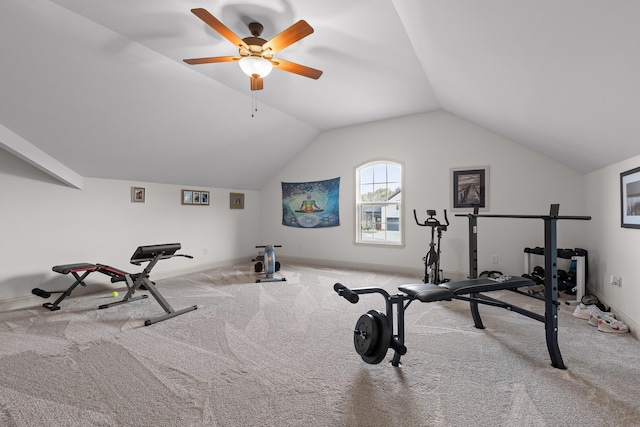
{"type": "Point", "coordinates": [475, 296]}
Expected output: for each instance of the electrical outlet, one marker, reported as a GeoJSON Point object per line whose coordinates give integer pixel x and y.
{"type": "Point", "coordinates": [205, 251]}
{"type": "Point", "coordinates": [494, 259]}
{"type": "Point", "coordinates": [616, 281]}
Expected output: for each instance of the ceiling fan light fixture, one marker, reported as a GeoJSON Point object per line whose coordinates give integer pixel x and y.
{"type": "Point", "coordinates": [252, 65]}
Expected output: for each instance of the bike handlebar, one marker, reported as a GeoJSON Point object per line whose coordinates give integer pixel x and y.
{"type": "Point", "coordinates": [431, 221]}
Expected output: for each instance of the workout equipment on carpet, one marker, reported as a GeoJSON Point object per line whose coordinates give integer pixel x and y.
{"type": "Point", "coordinates": [266, 261]}
{"type": "Point", "coordinates": [571, 281]}
{"type": "Point", "coordinates": [137, 281]}
{"type": "Point", "coordinates": [75, 270]}
{"type": "Point", "coordinates": [432, 272]}
{"type": "Point", "coordinates": [374, 332]}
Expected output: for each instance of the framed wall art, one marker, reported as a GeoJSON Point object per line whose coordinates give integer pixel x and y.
{"type": "Point", "coordinates": [236, 200]}
{"type": "Point", "coordinates": [470, 188]}
{"type": "Point", "coordinates": [630, 198]}
{"type": "Point", "coordinates": [137, 194]}
{"type": "Point", "coordinates": [195, 197]}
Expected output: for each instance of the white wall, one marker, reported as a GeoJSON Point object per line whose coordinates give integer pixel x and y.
{"type": "Point", "coordinates": [44, 223]}
{"type": "Point", "coordinates": [521, 182]}
{"type": "Point", "coordinates": [613, 249]}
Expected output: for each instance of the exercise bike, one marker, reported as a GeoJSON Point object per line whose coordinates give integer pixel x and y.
{"type": "Point", "coordinates": [432, 272]}
{"type": "Point", "coordinates": [267, 261]}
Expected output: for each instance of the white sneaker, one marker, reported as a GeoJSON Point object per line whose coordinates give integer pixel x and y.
{"type": "Point", "coordinates": [583, 311]}
{"type": "Point", "coordinates": [609, 324]}
{"type": "Point", "coordinates": [595, 318]}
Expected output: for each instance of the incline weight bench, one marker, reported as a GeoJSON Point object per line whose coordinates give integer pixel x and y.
{"type": "Point", "coordinates": [151, 254]}
{"type": "Point", "coordinates": [75, 270]}
{"type": "Point", "coordinates": [374, 331]}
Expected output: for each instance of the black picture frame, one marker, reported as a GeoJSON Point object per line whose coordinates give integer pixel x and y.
{"type": "Point", "coordinates": [630, 198]}
{"type": "Point", "coordinates": [470, 188]}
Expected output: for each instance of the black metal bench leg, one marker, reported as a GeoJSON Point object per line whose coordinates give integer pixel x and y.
{"type": "Point", "coordinates": [79, 281]}
{"type": "Point", "coordinates": [551, 291]}
{"type": "Point", "coordinates": [551, 328]}
{"type": "Point", "coordinates": [397, 340]}
{"type": "Point", "coordinates": [164, 304]}
{"type": "Point", "coordinates": [475, 313]}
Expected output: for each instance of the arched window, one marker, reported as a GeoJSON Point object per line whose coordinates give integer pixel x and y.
{"type": "Point", "coordinates": [379, 211]}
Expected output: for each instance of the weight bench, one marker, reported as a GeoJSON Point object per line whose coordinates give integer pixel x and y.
{"type": "Point", "coordinates": [136, 281]}
{"type": "Point", "coordinates": [75, 270]}
{"type": "Point", "coordinates": [375, 331]}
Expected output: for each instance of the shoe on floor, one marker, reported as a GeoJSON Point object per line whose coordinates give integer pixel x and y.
{"type": "Point", "coordinates": [595, 318]}
{"type": "Point", "coordinates": [609, 324]}
{"type": "Point", "coordinates": [584, 311]}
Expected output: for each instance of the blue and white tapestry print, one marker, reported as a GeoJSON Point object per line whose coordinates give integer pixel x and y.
{"type": "Point", "coordinates": [311, 204]}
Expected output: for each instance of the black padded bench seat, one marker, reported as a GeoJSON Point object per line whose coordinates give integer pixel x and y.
{"type": "Point", "coordinates": [428, 292]}
{"type": "Point", "coordinates": [68, 268]}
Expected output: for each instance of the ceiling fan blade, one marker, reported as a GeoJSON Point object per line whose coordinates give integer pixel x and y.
{"type": "Point", "coordinates": [296, 32]}
{"type": "Point", "coordinates": [257, 83]}
{"type": "Point", "coordinates": [214, 23]}
{"type": "Point", "coordinates": [292, 67]}
{"type": "Point", "coordinates": [211, 60]}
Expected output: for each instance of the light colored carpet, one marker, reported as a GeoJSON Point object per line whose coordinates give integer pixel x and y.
{"type": "Point", "coordinates": [281, 354]}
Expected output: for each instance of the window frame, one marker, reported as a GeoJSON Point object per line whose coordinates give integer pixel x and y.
{"type": "Point", "coordinates": [359, 203]}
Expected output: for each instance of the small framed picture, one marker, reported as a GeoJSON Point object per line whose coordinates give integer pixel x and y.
{"type": "Point", "coordinates": [137, 194]}
{"type": "Point", "coordinates": [195, 197]}
{"type": "Point", "coordinates": [187, 197]}
{"type": "Point", "coordinates": [470, 188]}
{"type": "Point", "coordinates": [236, 200]}
{"type": "Point", "coordinates": [630, 198]}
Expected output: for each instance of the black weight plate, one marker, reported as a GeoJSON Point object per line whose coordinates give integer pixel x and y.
{"type": "Point", "coordinates": [366, 335]}
{"type": "Point", "coordinates": [379, 351]}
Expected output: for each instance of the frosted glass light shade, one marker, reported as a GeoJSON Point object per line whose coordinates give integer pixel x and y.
{"type": "Point", "coordinates": [252, 65]}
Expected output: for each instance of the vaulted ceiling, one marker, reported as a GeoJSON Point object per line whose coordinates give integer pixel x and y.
{"type": "Point", "coordinates": [101, 86]}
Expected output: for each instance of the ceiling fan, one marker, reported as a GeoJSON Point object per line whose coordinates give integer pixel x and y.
{"type": "Point", "coordinates": [255, 53]}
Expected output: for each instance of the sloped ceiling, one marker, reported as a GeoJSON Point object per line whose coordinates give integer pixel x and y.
{"type": "Point", "coordinates": [100, 85]}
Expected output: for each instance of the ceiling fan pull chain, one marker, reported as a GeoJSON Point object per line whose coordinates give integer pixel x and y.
{"type": "Point", "coordinates": [254, 102]}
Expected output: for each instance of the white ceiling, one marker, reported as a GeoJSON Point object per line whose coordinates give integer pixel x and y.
{"type": "Point", "coordinates": [100, 85]}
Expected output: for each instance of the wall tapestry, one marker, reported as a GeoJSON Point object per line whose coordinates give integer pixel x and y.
{"type": "Point", "coordinates": [311, 204]}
